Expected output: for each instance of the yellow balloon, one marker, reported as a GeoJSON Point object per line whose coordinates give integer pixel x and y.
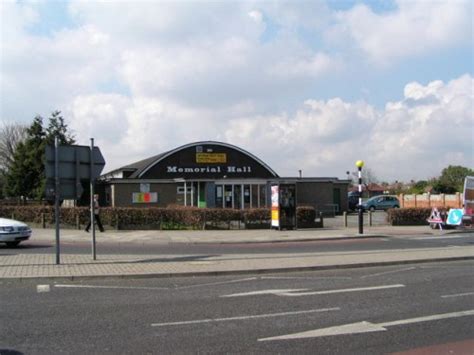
{"type": "Point", "coordinates": [359, 163]}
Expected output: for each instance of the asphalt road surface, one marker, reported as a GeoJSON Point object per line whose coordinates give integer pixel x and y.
{"type": "Point", "coordinates": [130, 248]}
{"type": "Point", "coordinates": [380, 310]}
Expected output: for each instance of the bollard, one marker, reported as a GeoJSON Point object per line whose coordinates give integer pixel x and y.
{"type": "Point", "coordinates": [43, 220]}
{"type": "Point", "coordinates": [345, 219]}
{"type": "Point", "coordinates": [321, 219]}
{"type": "Point", "coordinates": [370, 218]}
{"type": "Point", "coordinates": [78, 225]}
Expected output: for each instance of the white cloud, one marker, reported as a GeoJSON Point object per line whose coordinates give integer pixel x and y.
{"type": "Point", "coordinates": [415, 28]}
{"type": "Point", "coordinates": [256, 15]}
{"type": "Point", "coordinates": [401, 142]}
{"type": "Point", "coordinates": [248, 73]}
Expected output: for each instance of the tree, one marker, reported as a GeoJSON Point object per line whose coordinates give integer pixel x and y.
{"type": "Point", "coordinates": [418, 187]}
{"type": "Point", "coordinates": [368, 179]}
{"type": "Point", "coordinates": [26, 172]}
{"type": "Point", "coordinates": [11, 134]}
{"type": "Point", "coordinates": [452, 179]}
{"type": "Point", "coordinates": [26, 176]}
{"type": "Point", "coordinates": [58, 128]}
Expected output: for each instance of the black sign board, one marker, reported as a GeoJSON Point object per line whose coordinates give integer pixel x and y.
{"type": "Point", "coordinates": [74, 166]}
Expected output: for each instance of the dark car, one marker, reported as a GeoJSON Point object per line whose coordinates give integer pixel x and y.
{"type": "Point", "coordinates": [382, 202]}
{"type": "Point", "coordinates": [353, 200]}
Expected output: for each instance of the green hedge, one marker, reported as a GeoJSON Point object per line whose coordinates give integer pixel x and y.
{"type": "Point", "coordinates": [155, 217]}
{"type": "Point", "coordinates": [408, 216]}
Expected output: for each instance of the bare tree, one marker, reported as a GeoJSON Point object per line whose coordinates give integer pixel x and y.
{"type": "Point", "coordinates": [11, 134]}
{"type": "Point", "coordinates": [368, 177]}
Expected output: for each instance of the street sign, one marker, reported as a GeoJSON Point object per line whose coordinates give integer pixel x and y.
{"type": "Point", "coordinates": [74, 161]}
{"type": "Point", "coordinates": [455, 216]}
{"type": "Point", "coordinates": [74, 166]}
{"type": "Point", "coordinates": [68, 189]}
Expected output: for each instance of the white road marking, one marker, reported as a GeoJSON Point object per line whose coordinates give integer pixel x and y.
{"type": "Point", "coordinates": [305, 278]}
{"type": "Point", "coordinates": [300, 292]}
{"type": "Point", "coordinates": [209, 320]}
{"type": "Point", "coordinates": [365, 327]}
{"type": "Point", "coordinates": [327, 292]}
{"type": "Point", "coordinates": [458, 295]}
{"type": "Point", "coordinates": [264, 292]}
{"type": "Point", "coordinates": [218, 283]}
{"type": "Point", "coordinates": [42, 288]}
{"type": "Point", "coordinates": [442, 237]}
{"type": "Point", "coordinates": [112, 287]}
{"type": "Point", "coordinates": [388, 272]}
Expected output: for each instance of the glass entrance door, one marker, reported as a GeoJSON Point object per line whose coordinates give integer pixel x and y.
{"type": "Point", "coordinates": [237, 197]}
{"type": "Point", "coordinates": [228, 198]}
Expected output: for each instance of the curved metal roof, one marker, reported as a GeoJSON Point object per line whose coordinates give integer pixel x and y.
{"type": "Point", "coordinates": [151, 162]}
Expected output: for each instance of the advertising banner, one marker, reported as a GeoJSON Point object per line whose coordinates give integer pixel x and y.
{"type": "Point", "coordinates": [145, 197]}
{"type": "Point", "coordinates": [275, 207]}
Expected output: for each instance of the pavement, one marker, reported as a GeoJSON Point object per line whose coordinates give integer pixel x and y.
{"type": "Point", "coordinates": [22, 266]}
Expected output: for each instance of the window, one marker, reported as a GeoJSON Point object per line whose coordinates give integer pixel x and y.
{"type": "Point", "coordinates": [180, 189]}
{"type": "Point", "coordinates": [219, 195]}
{"type": "Point", "coordinates": [263, 195]}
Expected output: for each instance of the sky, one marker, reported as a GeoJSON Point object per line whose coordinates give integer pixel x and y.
{"type": "Point", "coordinates": [303, 85]}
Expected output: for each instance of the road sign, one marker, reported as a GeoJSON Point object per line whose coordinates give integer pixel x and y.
{"type": "Point", "coordinates": [455, 216]}
{"type": "Point", "coordinates": [74, 160]}
{"type": "Point", "coordinates": [74, 166]}
{"type": "Point", "coordinates": [68, 189]}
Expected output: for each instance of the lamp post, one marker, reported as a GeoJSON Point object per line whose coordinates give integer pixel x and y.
{"type": "Point", "coordinates": [360, 164]}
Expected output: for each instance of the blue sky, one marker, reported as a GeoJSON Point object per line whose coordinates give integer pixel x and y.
{"type": "Point", "coordinates": [309, 85]}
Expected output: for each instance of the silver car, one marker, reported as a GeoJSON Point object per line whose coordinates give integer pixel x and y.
{"type": "Point", "coordinates": [13, 232]}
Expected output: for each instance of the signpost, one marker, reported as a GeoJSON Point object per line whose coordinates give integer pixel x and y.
{"type": "Point", "coordinates": [66, 166]}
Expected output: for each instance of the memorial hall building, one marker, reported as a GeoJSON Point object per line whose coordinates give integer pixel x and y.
{"type": "Point", "coordinates": [213, 175]}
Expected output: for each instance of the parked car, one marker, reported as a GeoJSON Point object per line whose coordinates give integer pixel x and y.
{"type": "Point", "coordinates": [382, 202]}
{"type": "Point", "coordinates": [353, 200]}
{"type": "Point", "coordinates": [13, 232]}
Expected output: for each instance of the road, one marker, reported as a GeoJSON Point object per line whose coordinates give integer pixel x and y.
{"type": "Point", "coordinates": [402, 242]}
{"type": "Point", "coordinates": [353, 311]}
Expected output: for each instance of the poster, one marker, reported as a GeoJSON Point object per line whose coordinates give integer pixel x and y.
{"type": "Point", "coordinates": [145, 197]}
{"type": "Point", "coordinates": [275, 207]}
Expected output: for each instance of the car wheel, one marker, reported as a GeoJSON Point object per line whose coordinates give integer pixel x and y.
{"type": "Point", "coordinates": [12, 244]}
{"type": "Point", "coordinates": [372, 208]}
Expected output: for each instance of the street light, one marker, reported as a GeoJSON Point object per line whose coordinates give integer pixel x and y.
{"type": "Point", "coordinates": [360, 164]}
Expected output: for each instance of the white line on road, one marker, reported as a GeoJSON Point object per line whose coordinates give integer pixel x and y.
{"type": "Point", "coordinates": [218, 283]}
{"type": "Point", "coordinates": [305, 278]}
{"type": "Point", "coordinates": [327, 292]}
{"type": "Point", "coordinates": [42, 288]}
{"type": "Point", "coordinates": [388, 272]}
{"type": "Point", "coordinates": [265, 292]}
{"type": "Point", "coordinates": [112, 287]}
{"type": "Point", "coordinates": [300, 292]}
{"type": "Point", "coordinates": [442, 237]}
{"type": "Point", "coordinates": [366, 327]}
{"type": "Point", "coordinates": [209, 320]}
{"type": "Point", "coordinates": [458, 295]}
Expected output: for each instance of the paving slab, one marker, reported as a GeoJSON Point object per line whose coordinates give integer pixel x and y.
{"type": "Point", "coordinates": [27, 266]}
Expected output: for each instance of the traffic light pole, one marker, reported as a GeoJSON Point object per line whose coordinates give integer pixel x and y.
{"type": "Point", "coordinates": [56, 197]}
{"type": "Point", "coordinates": [94, 254]}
